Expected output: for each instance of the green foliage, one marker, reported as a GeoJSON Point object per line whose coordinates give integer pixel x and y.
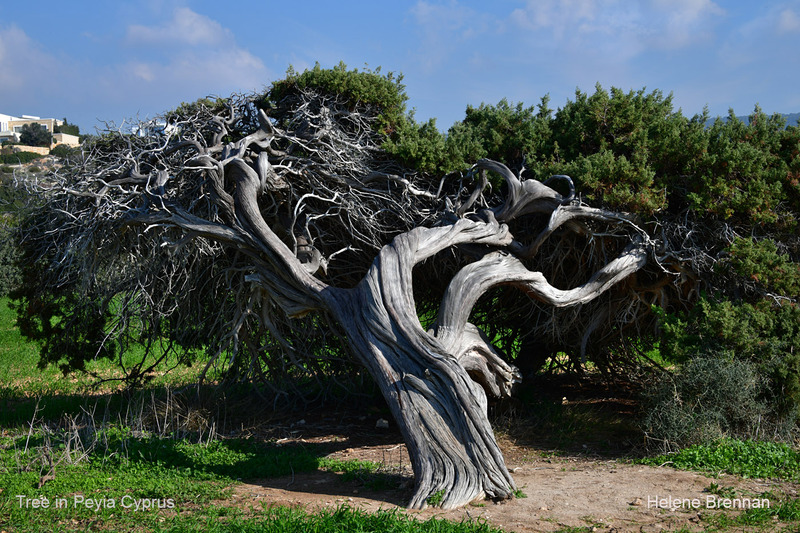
{"type": "Point", "coordinates": [63, 151]}
{"type": "Point", "coordinates": [760, 261]}
{"type": "Point", "coordinates": [752, 459]}
{"type": "Point", "coordinates": [419, 146]}
{"type": "Point", "coordinates": [749, 171]}
{"type": "Point", "coordinates": [66, 127]}
{"type": "Point", "coordinates": [766, 335]}
{"type": "Point", "coordinates": [616, 181]}
{"type": "Point", "coordinates": [34, 134]}
{"type": "Point", "coordinates": [18, 158]}
{"type": "Point", "coordinates": [630, 151]}
{"type": "Point", "coordinates": [200, 105]}
{"type": "Point", "coordinates": [10, 275]}
{"type": "Point", "coordinates": [707, 399]}
{"type": "Point", "coordinates": [436, 498]}
{"type": "Point", "coordinates": [351, 469]}
{"type": "Point", "coordinates": [780, 509]}
{"type": "Point", "coordinates": [383, 94]}
{"type": "Point", "coordinates": [69, 327]}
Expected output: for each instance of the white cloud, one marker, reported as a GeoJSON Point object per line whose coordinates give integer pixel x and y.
{"type": "Point", "coordinates": [625, 28]}
{"type": "Point", "coordinates": [788, 21]}
{"type": "Point", "coordinates": [684, 21]}
{"type": "Point", "coordinates": [185, 27]}
{"type": "Point", "coordinates": [768, 38]}
{"type": "Point", "coordinates": [23, 64]}
{"type": "Point", "coordinates": [234, 68]}
{"type": "Point", "coordinates": [558, 16]}
{"type": "Point", "coordinates": [189, 52]}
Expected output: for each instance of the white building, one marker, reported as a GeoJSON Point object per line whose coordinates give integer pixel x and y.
{"type": "Point", "coordinates": [11, 126]}
{"type": "Point", "coordinates": [5, 131]}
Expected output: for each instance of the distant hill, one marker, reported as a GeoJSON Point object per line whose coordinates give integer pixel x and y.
{"type": "Point", "coordinates": [791, 119]}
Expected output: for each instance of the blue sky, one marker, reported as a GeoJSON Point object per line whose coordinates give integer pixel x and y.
{"type": "Point", "coordinates": [94, 61]}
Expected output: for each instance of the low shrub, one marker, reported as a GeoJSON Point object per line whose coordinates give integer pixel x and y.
{"type": "Point", "coordinates": [709, 398]}
{"type": "Point", "coordinates": [18, 158]}
{"type": "Point", "coordinates": [763, 334]}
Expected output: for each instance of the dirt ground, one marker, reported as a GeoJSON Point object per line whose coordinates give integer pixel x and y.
{"type": "Point", "coordinates": [563, 490]}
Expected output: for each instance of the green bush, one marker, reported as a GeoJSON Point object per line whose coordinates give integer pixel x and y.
{"type": "Point", "coordinates": [753, 459]}
{"type": "Point", "coordinates": [18, 158]}
{"type": "Point", "coordinates": [760, 262]}
{"type": "Point", "coordinates": [764, 334]}
{"type": "Point", "coordinates": [709, 398]}
{"type": "Point", "coordinates": [6, 169]}
{"type": "Point", "coordinates": [383, 92]}
{"type": "Point", "coordinates": [62, 151]}
{"type": "Point", "coordinates": [9, 254]}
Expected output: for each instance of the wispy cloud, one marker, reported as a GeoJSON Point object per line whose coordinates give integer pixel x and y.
{"type": "Point", "coordinates": [789, 21]}
{"type": "Point", "coordinates": [627, 28]}
{"type": "Point", "coordinates": [23, 64]}
{"type": "Point", "coordinates": [188, 51]}
{"type": "Point", "coordinates": [444, 27]}
{"type": "Point", "coordinates": [185, 27]}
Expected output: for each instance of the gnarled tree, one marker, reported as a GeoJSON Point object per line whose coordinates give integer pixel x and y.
{"type": "Point", "coordinates": [240, 227]}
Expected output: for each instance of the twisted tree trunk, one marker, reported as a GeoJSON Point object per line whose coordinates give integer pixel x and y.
{"type": "Point", "coordinates": [439, 409]}
{"type": "Point", "coordinates": [440, 406]}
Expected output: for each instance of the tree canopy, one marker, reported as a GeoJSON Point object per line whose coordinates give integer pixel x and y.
{"type": "Point", "coordinates": [34, 134]}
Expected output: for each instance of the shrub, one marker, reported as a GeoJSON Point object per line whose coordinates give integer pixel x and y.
{"type": "Point", "coordinates": [6, 169]}
{"type": "Point", "coordinates": [711, 397]}
{"type": "Point", "coordinates": [18, 158]}
{"type": "Point", "coordinates": [764, 334]}
{"type": "Point", "coordinates": [62, 151]}
{"type": "Point", "coordinates": [762, 263]}
{"type": "Point", "coordinates": [9, 253]}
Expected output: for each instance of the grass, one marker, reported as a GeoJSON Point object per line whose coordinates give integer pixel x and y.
{"type": "Point", "coordinates": [749, 459]}
{"type": "Point", "coordinates": [340, 520]}
{"type": "Point", "coordinates": [374, 476]}
{"type": "Point", "coordinates": [20, 377]}
{"type": "Point", "coordinates": [436, 498]}
{"type": "Point", "coordinates": [79, 475]}
{"type": "Point", "coordinates": [785, 510]}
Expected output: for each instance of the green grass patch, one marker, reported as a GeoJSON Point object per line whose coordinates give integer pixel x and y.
{"type": "Point", "coordinates": [74, 479]}
{"type": "Point", "coordinates": [80, 475]}
{"type": "Point", "coordinates": [374, 476]}
{"type": "Point", "coordinates": [749, 459]}
{"type": "Point", "coordinates": [20, 376]}
{"type": "Point", "coordinates": [769, 518]}
{"type": "Point", "coordinates": [436, 498]}
{"type": "Point", "coordinates": [343, 519]}
{"type": "Point", "coordinates": [27, 391]}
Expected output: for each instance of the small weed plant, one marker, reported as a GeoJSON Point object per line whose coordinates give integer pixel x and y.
{"type": "Point", "coordinates": [436, 498]}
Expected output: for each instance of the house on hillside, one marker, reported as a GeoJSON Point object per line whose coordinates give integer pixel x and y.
{"type": "Point", "coordinates": [11, 126]}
